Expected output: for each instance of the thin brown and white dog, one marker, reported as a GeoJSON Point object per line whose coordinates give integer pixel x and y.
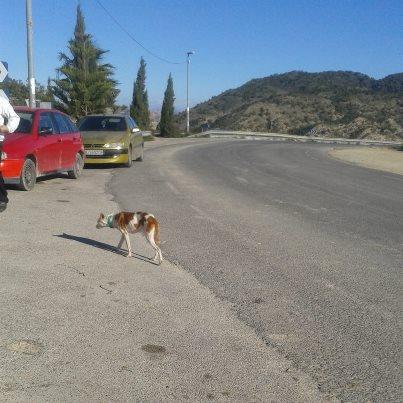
{"type": "Point", "coordinates": [131, 223]}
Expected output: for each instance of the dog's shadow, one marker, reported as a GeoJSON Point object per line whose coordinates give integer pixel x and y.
{"type": "Point", "coordinates": [104, 246]}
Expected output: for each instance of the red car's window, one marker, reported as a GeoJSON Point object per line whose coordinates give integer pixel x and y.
{"type": "Point", "coordinates": [70, 124]}
{"type": "Point", "coordinates": [61, 123]}
{"type": "Point", "coordinates": [46, 123]}
{"type": "Point", "coordinates": [25, 124]}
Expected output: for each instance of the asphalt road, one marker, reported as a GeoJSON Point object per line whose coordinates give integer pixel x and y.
{"type": "Point", "coordinates": [307, 249]}
{"type": "Point", "coordinates": [80, 322]}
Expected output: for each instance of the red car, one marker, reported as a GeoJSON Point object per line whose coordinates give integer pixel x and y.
{"type": "Point", "coordinates": [45, 142]}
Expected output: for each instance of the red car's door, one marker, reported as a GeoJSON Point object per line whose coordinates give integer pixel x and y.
{"type": "Point", "coordinates": [48, 149]}
{"type": "Point", "coordinates": [77, 141]}
{"type": "Point", "coordinates": [68, 154]}
{"type": "Point", "coordinates": [73, 145]}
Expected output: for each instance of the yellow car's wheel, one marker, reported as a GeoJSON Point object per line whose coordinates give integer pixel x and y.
{"type": "Point", "coordinates": [141, 157]}
{"type": "Point", "coordinates": [129, 158]}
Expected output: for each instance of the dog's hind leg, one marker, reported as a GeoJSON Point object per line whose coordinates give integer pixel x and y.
{"type": "Point", "coordinates": [150, 239]}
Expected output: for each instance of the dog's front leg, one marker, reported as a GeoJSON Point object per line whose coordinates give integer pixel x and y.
{"type": "Point", "coordinates": [129, 248]}
{"type": "Point", "coordinates": [122, 238]}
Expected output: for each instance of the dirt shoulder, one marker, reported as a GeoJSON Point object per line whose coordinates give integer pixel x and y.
{"type": "Point", "coordinates": [383, 159]}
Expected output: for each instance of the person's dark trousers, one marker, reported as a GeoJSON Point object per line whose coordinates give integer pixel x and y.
{"type": "Point", "coordinates": [3, 194]}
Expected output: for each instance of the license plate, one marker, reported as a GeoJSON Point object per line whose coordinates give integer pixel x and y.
{"type": "Point", "coordinates": [94, 152]}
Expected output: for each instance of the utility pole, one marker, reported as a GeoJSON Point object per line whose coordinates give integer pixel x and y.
{"type": "Point", "coordinates": [31, 78]}
{"type": "Point", "coordinates": [187, 89]}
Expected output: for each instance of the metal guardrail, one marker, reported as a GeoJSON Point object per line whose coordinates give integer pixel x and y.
{"type": "Point", "coordinates": [290, 137]}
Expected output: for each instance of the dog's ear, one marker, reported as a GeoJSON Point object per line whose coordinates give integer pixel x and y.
{"type": "Point", "coordinates": [101, 216]}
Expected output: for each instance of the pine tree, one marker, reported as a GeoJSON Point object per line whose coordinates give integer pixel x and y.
{"type": "Point", "coordinates": [87, 86]}
{"type": "Point", "coordinates": [139, 107]}
{"type": "Point", "coordinates": [167, 126]}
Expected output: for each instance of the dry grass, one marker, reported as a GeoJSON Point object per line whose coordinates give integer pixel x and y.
{"type": "Point", "coordinates": [383, 159]}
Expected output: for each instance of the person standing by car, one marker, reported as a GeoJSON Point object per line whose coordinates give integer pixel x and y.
{"type": "Point", "coordinates": [6, 113]}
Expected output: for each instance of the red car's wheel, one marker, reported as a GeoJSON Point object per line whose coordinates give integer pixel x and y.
{"type": "Point", "coordinates": [28, 175]}
{"type": "Point", "coordinates": [78, 167]}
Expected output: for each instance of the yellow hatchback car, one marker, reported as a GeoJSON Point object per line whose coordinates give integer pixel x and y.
{"type": "Point", "coordinates": [111, 139]}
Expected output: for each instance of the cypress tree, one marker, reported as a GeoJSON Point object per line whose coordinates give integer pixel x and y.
{"type": "Point", "coordinates": [147, 118]}
{"type": "Point", "coordinates": [139, 109]}
{"type": "Point", "coordinates": [166, 125]}
{"type": "Point", "coordinates": [86, 85]}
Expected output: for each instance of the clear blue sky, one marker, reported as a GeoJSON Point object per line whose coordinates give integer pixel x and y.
{"type": "Point", "coordinates": [234, 40]}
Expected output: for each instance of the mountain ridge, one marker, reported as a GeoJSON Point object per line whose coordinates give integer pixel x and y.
{"type": "Point", "coordinates": [331, 103]}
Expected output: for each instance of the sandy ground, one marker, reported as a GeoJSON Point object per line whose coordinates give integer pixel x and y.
{"type": "Point", "coordinates": [383, 159]}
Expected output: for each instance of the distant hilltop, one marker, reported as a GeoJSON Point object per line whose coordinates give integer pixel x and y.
{"type": "Point", "coordinates": [331, 103]}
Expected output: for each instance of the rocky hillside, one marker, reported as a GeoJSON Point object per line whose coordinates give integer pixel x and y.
{"type": "Point", "coordinates": [336, 104]}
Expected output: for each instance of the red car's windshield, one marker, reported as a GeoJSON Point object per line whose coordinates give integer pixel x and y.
{"type": "Point", "coordinates": [26, 119]}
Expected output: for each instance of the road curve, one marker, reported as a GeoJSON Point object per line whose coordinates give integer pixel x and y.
{"type": "Point", "coordinates": [309, 250]}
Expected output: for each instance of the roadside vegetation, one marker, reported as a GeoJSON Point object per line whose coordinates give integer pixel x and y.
{"type": "Point", "coordinates": [18, 91]}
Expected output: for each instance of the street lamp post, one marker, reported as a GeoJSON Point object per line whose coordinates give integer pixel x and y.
{"type": "Point", "coordinates": [187, 89]}
{"type": "Point", "coordinates": [31, 79]}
